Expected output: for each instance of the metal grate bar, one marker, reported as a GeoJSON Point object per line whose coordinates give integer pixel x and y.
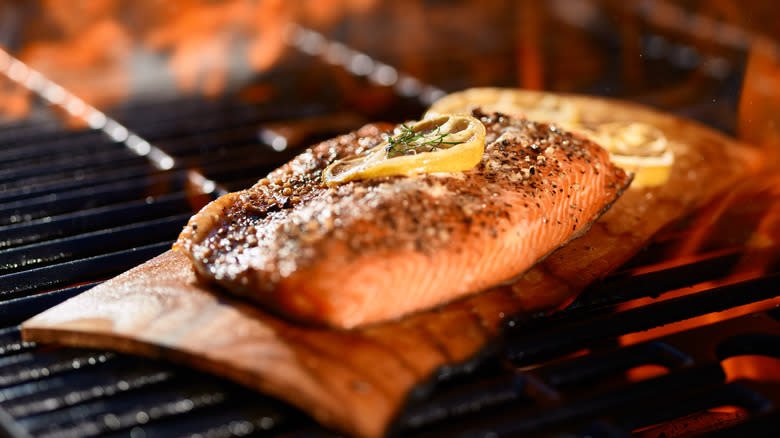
{"type": "Point", "coordinates": [229, 420]}
{"type": "Point", "coordinates": [90, 197]}
{"type": "Point", "coordinates": [253, 156]}
{"type": "Point", "coordinates": [164, 120]}
{"type": "Point", "coordinates": [124, 410]}
{"type": "Point", "coordinates": [84, 270]}
{"type": "Point", "coordinates": [83, 221]}
{"type": "Point", "coordinates": [758, 427]}
{"type": "Point", "coordinates": [60, 145]}
{"type": "Point", "coordinates": [91, 244]}
{"type": "Point", "coordinates": [218, 121]}
{"type": "Point", "coordinates": [37, 166]}
{"type": "Point", "coordinates": [71, 177]}
{"type": "Point", "coordinates": [40, 186]}
{"type": "Point", "coordinates": [506, 390]}
{"type": "Point", "coordinates": [17, 310]}
{"type": "Point", "coordinates": [11, 342]}
{"type": "Point", "coordinates": [29, 367]}
{"type": "Point", "coordinates": [570, 331]}
{"type": "Point", "coordinates": [236, 171]}
{"type": "Point", "coordinates": [20, 136]}
{"type": "Point", "coordinates": [176, 108]}
{"type": "Point", "coordinates": [628, 285]}
{"type": "Point", "coordinates": [76, 388]}
{"type": "Point", "coordinates": [682, 405]}
{"type": "Point", "coordinates": [579, 371]}
{"type": "Point", "coordinates": [219, 140]}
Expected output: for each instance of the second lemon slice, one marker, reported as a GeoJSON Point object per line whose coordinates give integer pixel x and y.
{"type": "Point", "coordinates": [639, 148]}
{"type": "Point", "coordinates": [636, 147]}
{"type": "Point", "coordinates": [445, 143]}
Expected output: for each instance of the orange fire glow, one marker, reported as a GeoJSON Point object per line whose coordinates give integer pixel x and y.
{"type": "Point", "coordinates": [88, 47]}
{"type": "Point", "coordinates": [695, 424]}
{"type": "Point", "coordinates": [752, 367]}
{"type": "Point", "coordinates": [759, 106]}
{"type": "Point", "coordinates": [751, 265]}
{"type": "Point", "coordinates": [647, 371]}
{"type": "Point", "coordinates": [757, 201]}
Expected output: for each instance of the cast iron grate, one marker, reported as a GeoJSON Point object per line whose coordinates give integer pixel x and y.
{"type": "Point", "coordinates": [77, 207]}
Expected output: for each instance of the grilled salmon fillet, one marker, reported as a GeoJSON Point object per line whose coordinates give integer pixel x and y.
{"type": "Point", "coordinates": [376, 249]}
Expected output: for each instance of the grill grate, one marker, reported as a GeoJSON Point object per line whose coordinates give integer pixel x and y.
{"type": "Point", "coordinates": [77, 207]}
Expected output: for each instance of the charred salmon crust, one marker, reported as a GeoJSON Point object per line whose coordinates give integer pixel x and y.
{"type": "Point", "coordinates": [377, 249]}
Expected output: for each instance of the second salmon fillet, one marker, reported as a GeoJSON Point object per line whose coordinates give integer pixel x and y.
{"type": "Point", "coordinates": [373, 250]}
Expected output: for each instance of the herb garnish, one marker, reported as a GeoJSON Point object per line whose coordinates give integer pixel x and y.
{"type": "Point", "coordinates": [408, 141]}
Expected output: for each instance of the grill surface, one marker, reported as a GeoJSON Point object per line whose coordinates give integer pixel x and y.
{"type": "Point", "coordinates": [683, 341]}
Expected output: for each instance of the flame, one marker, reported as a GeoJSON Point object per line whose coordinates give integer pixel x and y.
{"type": "Point", "coordinates": [196, 36]}
{"type": "Point", "coordinates": [756, 206]}
{"type": "Point", "coordinates": [14, 99]}
{"type": "Point", "coordinates": [91, 47]}
{"type": "Point", "coordinates": [704, 223]}
{"type": "Point", "coordinates": [88, 56]}
{"type": "Point", "coordinates": [759, 106]}
{"type": "Point", "coordinates": [85, 65]}
{"type": "Point", "coordinates": [530, 58]}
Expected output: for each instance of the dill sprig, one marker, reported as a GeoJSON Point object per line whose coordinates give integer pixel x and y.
{"type": "Point", "coordinates": [408, 141]}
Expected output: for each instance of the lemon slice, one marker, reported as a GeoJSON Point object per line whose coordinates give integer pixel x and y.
{"type": "Point", "coordinates": [445, 143]}
{"type": "Point", "coordinates": [639, 148]}
{"type": "Point", "coordinates": [542, 107]}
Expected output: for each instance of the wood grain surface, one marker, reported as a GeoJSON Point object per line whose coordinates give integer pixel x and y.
{"type": "Point", "coordinates": [356, 381]}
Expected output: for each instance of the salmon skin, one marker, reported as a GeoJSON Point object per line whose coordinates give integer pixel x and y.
{"type": "Point", "coordinates": [377, 249]}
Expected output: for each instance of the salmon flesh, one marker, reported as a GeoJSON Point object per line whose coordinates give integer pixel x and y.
{"type": "Point", "coordinates": [377, 249]}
